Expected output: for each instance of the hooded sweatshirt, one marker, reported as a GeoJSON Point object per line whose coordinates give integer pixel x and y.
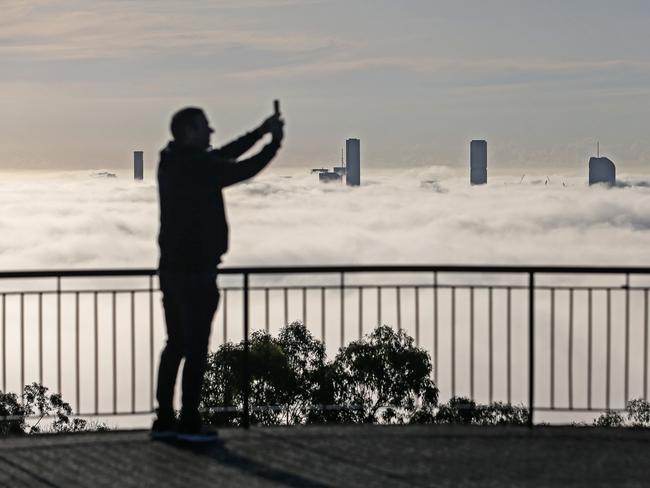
{"type": "Point", "coordinates": [193, 227]}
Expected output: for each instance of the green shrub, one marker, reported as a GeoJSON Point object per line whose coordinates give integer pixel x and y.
{"type": "Point", "coordinates": [609, 419]}
{"type": "Point", "coordinates": [637, 414]}
{"type": "Point", "coordinates": [37, 404]}
{"type": "Point", "coordinates": [383, 377]}
{"type": "Point", "coordinates": [459, 410]}
{"type": "Point", "coordinates": [284, 374]}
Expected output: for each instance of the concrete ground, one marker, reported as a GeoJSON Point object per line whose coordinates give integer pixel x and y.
{"type": "Point", "coordinates": [340, 456]}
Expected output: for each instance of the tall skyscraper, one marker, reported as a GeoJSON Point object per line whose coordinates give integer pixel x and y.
{"type": "Point", "coordinates": [478, 163]}
{"type": "Point", "coordinates": [602, 170]}
{"type": "Point", "coordinates": [353, 162]}
{"type": "Point", "coordinates": [138, 165]}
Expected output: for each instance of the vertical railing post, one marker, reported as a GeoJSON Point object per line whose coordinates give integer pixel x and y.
{"type": "Point", "coordinates": [342, 286]}
{"type": "Point", "coordinates": [58, 334]}
{"type": "Point", "coordinates": [96, 351]}
{"type": "Point", "coordinates": [132, 351]}
{"type": "Point", "coordinates": [4, 342]}
{"type": "Point", "coordinates": [247, 379]}
{"type": "Point", "coordinates": [627, 338]}
{"type": "Point", "coordinates": [22, 341]}
{"type": "Point", "coordinates": [435, 327]}
{"type": "Point", "coordinates": [77, 353]}
{"type": "Point", "coordinates": [114, 348]}
{"type": "Point", "coordinates": [151, 361]}
{"type": "Point", "coordinates": [531, 347]}
{"type": "Point", "coordinates": [471, 342]}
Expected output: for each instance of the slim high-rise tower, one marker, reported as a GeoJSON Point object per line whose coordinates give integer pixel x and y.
{"type": "Point", "coordinates": [478, 163]}
{"type": "Point", "coordinates": [138, 165]}
{"type": "Point", "coordinates": [602, 170]}
{"type": "Point", "coordinates": [353, 162]}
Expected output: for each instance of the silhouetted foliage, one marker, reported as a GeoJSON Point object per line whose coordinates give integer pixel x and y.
{"type": "Point", "coordinates": [284, 373]}
{"type": "Point", "coordinates": [457, 410]}
{"type": "Point", "coordinates": [11, 408]}
{"type": "Point", "coordinates": [637, 414]}
{"type": "Point", "coordinates": [383, 377]}
{"type": "Point", "coordinates": [461, 410]}
{"type": "Point", "coordinates": [308, 365]}
{"type": "Point", "coordinates": [499, 413]}
{"type": "Point", "coordinates": [37, 403]}
{"type": "Point", "coordinates": [609, 419]}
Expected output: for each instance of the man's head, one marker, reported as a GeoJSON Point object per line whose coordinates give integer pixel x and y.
{"type": "Point", "coordinates": [190, 127]}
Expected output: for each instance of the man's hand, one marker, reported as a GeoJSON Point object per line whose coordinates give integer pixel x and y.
{"type": "Point", "coordinates": [277, 129]}
{"type": "Point", "coordinates": [265, 127]}
{"type": "Point", "coordinates": [271, 125]}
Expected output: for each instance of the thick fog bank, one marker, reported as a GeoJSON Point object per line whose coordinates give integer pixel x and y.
{"type": "Point", "coordinates": [417, 216]}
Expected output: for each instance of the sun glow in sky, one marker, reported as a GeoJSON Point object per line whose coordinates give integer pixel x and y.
{"type": "Point", "coordinates": [83, 84]}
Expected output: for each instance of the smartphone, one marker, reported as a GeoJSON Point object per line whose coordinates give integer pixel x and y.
{"type": "Point", "coordinates": [276, 107]}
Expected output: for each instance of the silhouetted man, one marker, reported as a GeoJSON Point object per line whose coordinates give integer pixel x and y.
{"type": "Point", "coordinates": [193, 237]}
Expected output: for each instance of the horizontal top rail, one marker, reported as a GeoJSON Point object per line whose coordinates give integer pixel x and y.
{"type": "Point", "coordinates": [78, 273]}
{"type": "Point", "coordinates": [514, 269]}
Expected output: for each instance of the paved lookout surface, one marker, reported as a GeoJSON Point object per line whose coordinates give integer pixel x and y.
{"type": "Point", "coordinates": [357, 456]}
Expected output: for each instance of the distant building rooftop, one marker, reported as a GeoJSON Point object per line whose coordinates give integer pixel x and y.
{"type": "Point", "coordinates": [602, 170]}
{"type": "Point", "coordinates": [328, 176]}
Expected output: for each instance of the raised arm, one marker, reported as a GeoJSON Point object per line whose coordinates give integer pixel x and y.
{"type": "Point", "coordinates": [239, 146]}
{"type": "Point", "coordinates": [231, 171]}
{"type": "Point", "coordinates": [236, 148]}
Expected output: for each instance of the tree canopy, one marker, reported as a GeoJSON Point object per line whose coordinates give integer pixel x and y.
{"type": "Point", "coordinates": [37, 403]}
{"type": "Point", "coordinates": [382, 377]}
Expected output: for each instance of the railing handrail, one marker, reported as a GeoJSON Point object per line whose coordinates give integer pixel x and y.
{"type": "Point", "coordinates": [314, 269]}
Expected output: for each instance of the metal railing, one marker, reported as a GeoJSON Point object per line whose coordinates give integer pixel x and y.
{"type": "Point", "coordinates": [536, 324]}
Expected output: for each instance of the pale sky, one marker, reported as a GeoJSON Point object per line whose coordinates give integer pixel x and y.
{"type": "Point", "coordinates": [84, 83]}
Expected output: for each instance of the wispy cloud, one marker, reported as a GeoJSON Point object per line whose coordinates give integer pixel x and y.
{"type": "Point", "coordinates": [439, 75]}
{"type": "Point", "coordinates": [45, 30]}
{"type": "Point", "coordinates": [428, 65]}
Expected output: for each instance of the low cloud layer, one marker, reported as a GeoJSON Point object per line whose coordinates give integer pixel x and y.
{"type": "Point", "coordinates": [420, 216]}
